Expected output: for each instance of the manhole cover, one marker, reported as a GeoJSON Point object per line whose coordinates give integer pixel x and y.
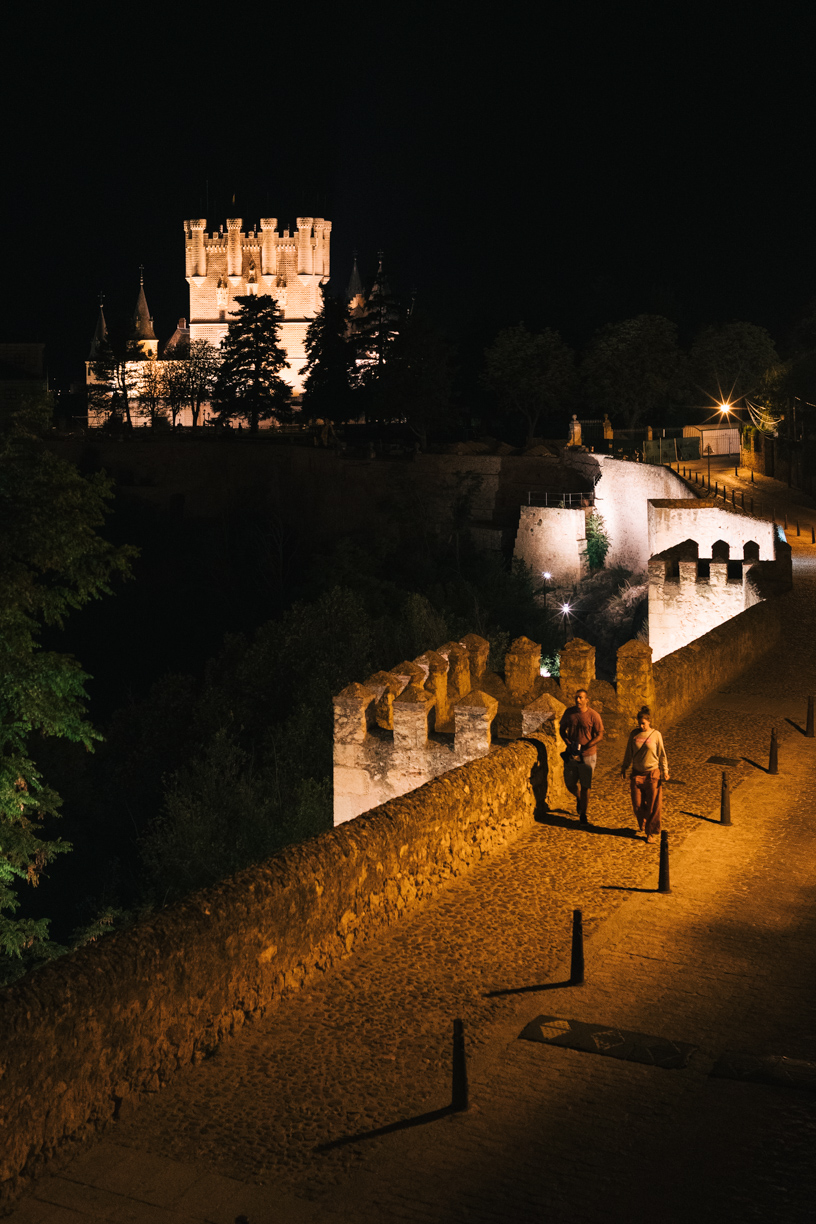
{"type": "Point", "coordinates": [715, 760]}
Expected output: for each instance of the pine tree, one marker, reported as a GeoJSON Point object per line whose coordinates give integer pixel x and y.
{"type": "Point", "coordinates": [376, 331]}
{"type": "Point", "coordinates": [330, 368]}
{"type": "Point", "coordinates": [249, 386]}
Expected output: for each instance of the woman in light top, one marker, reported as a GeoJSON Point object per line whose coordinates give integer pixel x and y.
{"type": "Point", "coordinates": [646, 756]}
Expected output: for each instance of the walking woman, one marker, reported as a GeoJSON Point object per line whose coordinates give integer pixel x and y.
{"type": "Point", "coordinates": [646, 756]}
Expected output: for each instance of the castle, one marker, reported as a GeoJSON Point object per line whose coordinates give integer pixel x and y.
{"type": "Point", "coordinates": [222, 266]}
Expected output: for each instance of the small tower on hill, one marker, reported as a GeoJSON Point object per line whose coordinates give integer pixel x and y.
{"type": "Point", "coordinates": [143, 333]}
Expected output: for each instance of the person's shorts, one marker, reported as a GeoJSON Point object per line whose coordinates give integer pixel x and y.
{"type": "Point", "coordinates": [580, 770]}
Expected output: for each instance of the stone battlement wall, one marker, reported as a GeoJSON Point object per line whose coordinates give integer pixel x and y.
{"type": "Point", "coordinates": [82, 1039]}
{"type": "Point", "coordinates": [421, 719]}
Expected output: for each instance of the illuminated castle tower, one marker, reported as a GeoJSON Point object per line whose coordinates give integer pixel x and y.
{"type": "Point", "coordinates": [290, 267]}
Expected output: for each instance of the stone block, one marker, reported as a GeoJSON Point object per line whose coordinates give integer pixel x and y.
{"type": "Point", "coordinates": [458, 670]}
{"type": "Point", "coordinates": [412, 712]}
{"type": "Point", "coordinates": [545, 708]}
{"type": "Point", "coordinates": [473, 719]}
{"type": "Point", "coordinates": [576, 667]}
{"type": "Point", "coordinates": [385, 686]}
{"type": "Point", "coordinates": [353, 714]}
{"type": "Point", "coordinates": [435, 666]}
{"type": "Point", "coordinates": [635, 677]}
{"type": "Point", "coordinates": [408, 674]}
{"type": "Point", "coordinates": [522, 667]}
{"type": "Point", "coordinates": [478, 649]}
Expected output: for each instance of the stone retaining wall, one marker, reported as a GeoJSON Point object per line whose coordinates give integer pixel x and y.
{"type": "Point", "coordinates": [81, 1039]}
{"type": "Point", "coordinates": [687, 677]}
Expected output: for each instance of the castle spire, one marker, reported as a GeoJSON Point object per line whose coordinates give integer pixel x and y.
{"type": "Point", "coordinates": [142, 319]}
{"type": "Point", "coordinates": [100, 334]}
{"type": "Point", "coordinates": [355, 285]}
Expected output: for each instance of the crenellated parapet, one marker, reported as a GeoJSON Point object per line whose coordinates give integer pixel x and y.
{"type": "Point", "coordinates": [425, 716]}
{"type": "Point", "coordinates": [232, 262]}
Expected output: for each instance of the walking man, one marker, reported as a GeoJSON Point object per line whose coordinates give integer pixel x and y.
{"type": "Point", "coordinates": [582, 730]}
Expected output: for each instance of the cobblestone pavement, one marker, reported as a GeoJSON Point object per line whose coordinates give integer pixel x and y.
{"type": "Point", "coordinates": [726, 962]}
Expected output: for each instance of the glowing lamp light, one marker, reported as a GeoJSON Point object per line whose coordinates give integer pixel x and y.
{"type": "Point", "coordinates": [725, 408]}
{"type": "Point", "coordinates": [546, 575]}
{"type": "Point", "coordinates": [565, 608]}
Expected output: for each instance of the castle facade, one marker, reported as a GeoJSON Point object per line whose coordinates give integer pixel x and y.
{"type": "Point", "coordinates": [221, 266]}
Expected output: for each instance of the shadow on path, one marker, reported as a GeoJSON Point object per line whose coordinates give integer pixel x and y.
{"type": "Point", "coordinates": [626, 888]}
{"type": "Point", "coordinates": [420, 1120]}
{"type": "Point", "coordinates": [762, 768]}
{"type": "Point", "coordinates": [697, 816]}
{"type": "Point", "coordinates": [796, 726]}
{"type": "Point", "coordinates": [514, 990]}
{"type": "Point", "coordinates": [558, 821]}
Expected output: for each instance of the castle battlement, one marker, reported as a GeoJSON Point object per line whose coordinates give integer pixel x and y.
{"type": "Point", "coordinates": [235, 262]}
{"type": "Point", "coordinates": [425, 716]}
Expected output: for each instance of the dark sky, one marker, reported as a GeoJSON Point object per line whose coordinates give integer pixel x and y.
{"type": "Point", "coordinates": [564, 164]}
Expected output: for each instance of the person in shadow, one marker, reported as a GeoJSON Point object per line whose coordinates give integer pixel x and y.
{"type": "Point", "coordinates": [645, 757]}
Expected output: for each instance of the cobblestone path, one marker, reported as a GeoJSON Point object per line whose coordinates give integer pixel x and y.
{"type": "Point", "coordinates": [726, 962]}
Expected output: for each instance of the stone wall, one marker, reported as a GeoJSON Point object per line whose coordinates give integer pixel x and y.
{"type": "Point", "coordinates": [686, 678]}
{"type": "Point", "coordinates": [83, 1038]}
{"type": "Point", "coordinates": [553, 540]}
{"type": "Point", "coordinates": [422, 718]}
{"type": "Point", "coordinates": [708, 521]}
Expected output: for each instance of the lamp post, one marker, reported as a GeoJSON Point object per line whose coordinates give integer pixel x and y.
{"type": "Point", "coordinates": [546, 575]}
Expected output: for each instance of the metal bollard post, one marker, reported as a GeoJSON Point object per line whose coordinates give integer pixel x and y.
{"type": "Point", "coordinates": [809, 732]}
{"type": "Point", "coordinates": [459, 1092]}
{"type": "Point", "coordinates": [577, 958]}
{"type": "Point", "coordinates": [733, 497]}
{"type": "Point", "coordinates": [813, 535]}
{"type": "Point", "coordinates": [716, 488]}
{"type": "Point", "coordinates": [663, 885]}
{"type": "Point", "coordinates": [725, 801]}
{"type": "Point", "coordinates": [786, 520]}
{"type": "Point", "coordinates": [736, 471]}
{"type": "Point", "coordinates": [773, 758]}
{"type": "Point", "coordinates": [752, 475]}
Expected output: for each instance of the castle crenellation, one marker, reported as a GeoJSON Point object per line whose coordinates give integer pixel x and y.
{"type": "Point", "coordinates": [424, 717]}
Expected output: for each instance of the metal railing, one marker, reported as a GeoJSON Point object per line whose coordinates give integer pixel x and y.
{"type": "Point", "coordinates": [564, 501]}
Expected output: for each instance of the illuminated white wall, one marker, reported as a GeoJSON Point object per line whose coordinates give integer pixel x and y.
{"type": "Point", "coordinates": [551, 540]}
{"type": "Point", "coordinates": [707, 522]}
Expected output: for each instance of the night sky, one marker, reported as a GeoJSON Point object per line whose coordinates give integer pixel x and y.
{"type": "Point", "coordinates": [565, 165]}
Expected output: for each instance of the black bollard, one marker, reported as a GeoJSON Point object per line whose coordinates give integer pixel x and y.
{"type": "Point", "coordinates": [733, 497]}
{"type": "Point", "coordinates": [577, 959]}
{"type": "Point", "coordinates": [752, 475]}
{"type": "Point", "coordinates": [813, 535]}
{"type": "Point", "coordinates": [459, 1093]}
{"type": "Point", "coordinates": [798, 532]}
{"type": "Point", "coordinates": [725, 801]}
{"type": "Point", "coordinates": [809, 732]}
{"type": "Point", "coordinates": [773, 759]}
{"type": "Point", "coordinates": [716, 488]}
{"type": "Point", "coordinates": [786, 520]}
{"type": "Point", "coordinates": [663, 885]}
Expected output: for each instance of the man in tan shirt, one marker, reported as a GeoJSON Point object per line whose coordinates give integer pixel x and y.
{"type": "Point", "coordinates": [582, 730]}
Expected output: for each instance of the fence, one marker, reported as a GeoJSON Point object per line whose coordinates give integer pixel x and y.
{"type": "Point", "coordinates": [565, 501]}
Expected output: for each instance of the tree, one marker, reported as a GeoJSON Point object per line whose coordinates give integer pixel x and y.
{"type": "Point", "coordinates": [116, 378]}
{"type": "Point", "coordinates": [174, 387]}
{"type": "Point", "coordinates": [200, 372]}
{"type": "Point", "coordinates": [376, 330]}
{"type": "Point", "coordinates": [249, 385]}
{"type": "Point", "coordinates": [330, 369]}
{"type": "Point", "coordinates": [151, 391]}
{"type": "Point", "coordinates": [52, 561]}
{"type": "Point", "coordinates": [416, 380]}
{"type": "Point", "coordinates": [530, 374]}
{"type": "Point", "coordinates": [634, 368]}
{"type": "Point", "coordinates": [731, 360]}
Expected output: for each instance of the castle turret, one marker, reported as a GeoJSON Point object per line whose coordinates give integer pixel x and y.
{"type": "Point", "coordinates": [269, 226]}
{"type": "Point", "coordinates": [234, 254]}
{"type": "Point", "coordinates": [143, 332]}
{"type": "Point", "coordinates": [99, 337]}
{"type": "Point", "coordinates": [305, 264]}
{"type": "Point", "coordinates": [198, 259]}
